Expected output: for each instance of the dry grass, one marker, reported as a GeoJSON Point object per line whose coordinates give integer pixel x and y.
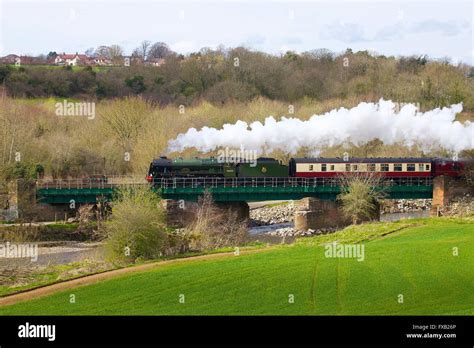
{"type": "Point", "coordinates": [215, 228]}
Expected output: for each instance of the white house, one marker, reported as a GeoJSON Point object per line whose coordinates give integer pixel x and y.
{"type": "Point", "coordinates": [71, 59]}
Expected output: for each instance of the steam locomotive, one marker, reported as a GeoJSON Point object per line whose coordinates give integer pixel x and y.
{"type": "Point", "coordinates": [320, 167]}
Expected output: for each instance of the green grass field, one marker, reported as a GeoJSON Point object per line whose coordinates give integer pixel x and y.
{"type": "Point", "coordinates": [413, 258]}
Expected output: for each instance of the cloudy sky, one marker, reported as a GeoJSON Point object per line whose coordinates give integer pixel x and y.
{"type": "Point", "coordinates": [439, 29]}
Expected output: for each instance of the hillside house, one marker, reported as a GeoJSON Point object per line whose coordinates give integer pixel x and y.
{"type": "Point", "coordinates": [72, 59]}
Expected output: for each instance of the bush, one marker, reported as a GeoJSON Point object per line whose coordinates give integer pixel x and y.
{"type": "Point", "coordinates": [215, 228]}
{"type": "Point", "coordinates": [136, 228]}
{"type": "Point", "coordinates": [359, 197]}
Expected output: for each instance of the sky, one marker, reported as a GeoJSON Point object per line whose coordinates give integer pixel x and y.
{"type": "Point", "coordinates": [436, 28]}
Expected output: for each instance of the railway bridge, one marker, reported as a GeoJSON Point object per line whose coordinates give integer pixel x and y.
{"type": "Point", "coordinates": [317, 196]}
{"type": "Point", "coordinates": [223, 189]}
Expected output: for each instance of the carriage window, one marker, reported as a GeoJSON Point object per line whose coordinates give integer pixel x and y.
{"type": "Point", "coordinates": [332, 166]}
{"type": "Point", "coordinates": [354, 167]}
{"type": "Point", "coordinates": [371, 167]}
{"type": "Point", "coordinates": [311, 167]}
{"type": "Point", "coordinates": [397, 167]}
{"type": "Point", "coordinates": [410, 167]}
{"type": "Point", "coordinates": [323, 167]}
{"type": "Point", "coordinates": [420, 167]}
{"type": "Point", "coordinates": [427, 167]}
{"type": "Point", "coordinates": [384, 167]}
{"type": "Point", "coordinates": [348, 167]}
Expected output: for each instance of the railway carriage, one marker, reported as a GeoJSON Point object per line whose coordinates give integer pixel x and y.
{"type": "Point", "coordinates": [388, 167]}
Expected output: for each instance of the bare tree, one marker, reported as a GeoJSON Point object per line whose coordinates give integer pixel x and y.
{"type": "Point", "coordinates": [103, 51]}
{"type": "Point", "coordinates": [116, 53]}
{"type": "Point", "coordinates": [159, 50]}
{"type": "Point", "coordinates": [142, 50]}
{"type": "Point", "coordinates": [90, 52]}
{"type": "Point", "coordinates": [214, 227]}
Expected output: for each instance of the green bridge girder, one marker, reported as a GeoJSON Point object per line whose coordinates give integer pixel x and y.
{"type": "Point", "coordinates": [226, 194]}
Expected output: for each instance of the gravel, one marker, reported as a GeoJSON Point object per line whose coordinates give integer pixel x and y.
{"type": "Point", "coordinates": [405, 206]}
{"type": "Point", "coordinates": [460, 206]}
{"type": "Point", "coordinates": [284, 213]}
{"type": "Point", "coordinates": [291, 232]}
{"type": "Point", "coordinates": [278, 214]}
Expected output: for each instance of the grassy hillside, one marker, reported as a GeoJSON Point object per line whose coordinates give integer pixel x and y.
{"type": "Point", "coordinates": [413, 258]}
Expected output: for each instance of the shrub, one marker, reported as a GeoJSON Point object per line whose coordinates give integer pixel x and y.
{"type": "Point", "coordinates": [136, 228]}
{"type": "Point", "coordinates": [359, 197]}
{"type": "Point", "coordinates": [214, 227]}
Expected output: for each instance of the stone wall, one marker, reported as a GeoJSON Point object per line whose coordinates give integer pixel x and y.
{"type": "Point", "coordinates": [9, 200]}
{"type": "Point", "coordinates": [313, 213]}
{"type": "Point", "coordinates": [447, 189]}
{"type": "Point", "coordinates": [18, 202]}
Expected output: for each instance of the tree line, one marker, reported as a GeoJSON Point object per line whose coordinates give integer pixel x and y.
{"type": "Point", "coordinates": [238, 74]}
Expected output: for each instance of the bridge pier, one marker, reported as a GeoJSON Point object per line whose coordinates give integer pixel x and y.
{"type": "Point", "coordinates": [446, 188]}
{"type": "Point", "coordinates": [241, 209]}
{"type": "Point", "coordinates": [314, 213]}
{"type": "Point", "coordinates": [180, 213]}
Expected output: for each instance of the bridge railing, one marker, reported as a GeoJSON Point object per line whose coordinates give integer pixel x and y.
{"type": "Point", "coordinates": [213, 182]}
{"type": "Point", "coordinates": [91, 182]}
{"type": "Point", "coordinates": [277, 182]}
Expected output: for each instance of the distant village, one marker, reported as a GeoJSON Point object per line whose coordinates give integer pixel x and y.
{"type": "Point", "coordinates": [76, 59]}
{"type": "Point", "coordinates": [147, 53]}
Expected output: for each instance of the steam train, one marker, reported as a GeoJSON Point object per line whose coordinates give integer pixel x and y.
{"type": "Point", "coordinates": [320, 167]}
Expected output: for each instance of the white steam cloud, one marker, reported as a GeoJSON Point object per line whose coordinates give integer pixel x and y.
{"type": "Point", "coordinates": [365, 122]}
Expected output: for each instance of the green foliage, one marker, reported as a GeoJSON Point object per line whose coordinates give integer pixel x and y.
{"type": "Point", "coordinates": [136, 84]}
{"type": "Point", "coordinates": [4, 72]}
{"type": "Point", "coordinates": [136, 229]}
{"type": "Point", "coordinates": [20, 170]}
{"type": "Point", "coordinates": [359, 198]}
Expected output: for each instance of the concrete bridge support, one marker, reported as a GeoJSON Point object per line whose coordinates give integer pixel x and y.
{"type": "Point", "coordinates": [446, 189]}
{"type": "Point", "coordinates": [180, 213]}
{"type": "Point", "coordinates": [19, 200]}
{"type": "Point", "coordinates": [314, 213]}
{"type": "Point", "coordinates": [241, 209]}
{"type": "Point", "coordinates": [9, 210]}
{"type": "Point", "coordinates": [19, 204]}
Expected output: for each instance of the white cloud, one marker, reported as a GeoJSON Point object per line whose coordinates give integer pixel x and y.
{"type": "Point", "coordinates": [185, 46]}
{"type": "Point", "coordinates": [354, 32]}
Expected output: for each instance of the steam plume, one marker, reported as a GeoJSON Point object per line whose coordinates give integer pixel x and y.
{"type": "Point", "coordinates": [365, 122]}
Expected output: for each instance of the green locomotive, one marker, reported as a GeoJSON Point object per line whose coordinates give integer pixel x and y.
{"type": "Point", "coordinates": [164, 167]}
